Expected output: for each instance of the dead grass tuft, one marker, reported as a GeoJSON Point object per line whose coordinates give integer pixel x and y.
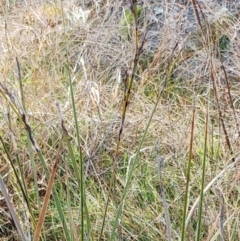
{"type": "Point", "coordinates": [196, 67]}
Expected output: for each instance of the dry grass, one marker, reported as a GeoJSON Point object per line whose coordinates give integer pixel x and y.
{"type": "Point", "coordinates": [52, 37]}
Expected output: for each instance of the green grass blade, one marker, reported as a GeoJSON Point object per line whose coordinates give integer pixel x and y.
{"type": "Point", "coordinates": [21, 182]}
{"type": "Point", "coordinates": [198, 237]}
{"type": "Point", "coordinates": [81, 181]}
{"type": "Point", "coordinates": [160, 161]}
{"type": "Point", "coordinates": [188, 178]}
{"type": "Point", "coordinates": [134, 162]}
{"type": "Point", "coordinates": [30, 148]}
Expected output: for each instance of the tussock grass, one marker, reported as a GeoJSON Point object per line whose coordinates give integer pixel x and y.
{"type": "Point", "coordinates": [88, 116]}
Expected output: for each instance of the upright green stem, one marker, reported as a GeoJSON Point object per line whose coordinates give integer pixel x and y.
{"type": "Point", "coordinates": [202, 181]}
{"type": "Point", "coordinates": [188, 177]}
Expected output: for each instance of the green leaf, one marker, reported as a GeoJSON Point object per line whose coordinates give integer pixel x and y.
{"type": "Point", "coordinates": [127, 20]}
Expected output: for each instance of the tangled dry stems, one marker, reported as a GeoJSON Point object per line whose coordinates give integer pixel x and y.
{"type": "Point", "coordinates": [44, 42]}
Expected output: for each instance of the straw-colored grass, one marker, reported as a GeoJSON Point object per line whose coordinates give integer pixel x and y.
{"type": "Point", "coordinates": [133, 135]}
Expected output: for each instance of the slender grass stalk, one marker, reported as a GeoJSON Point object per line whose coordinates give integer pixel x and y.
{"type": "Point", "coordinates": [74, 234]}
{"type": "Point", "coordinates": [11, 101]}
{"type": "Point", "coordinates": [198, 237]}
{"type": "Point", "coordinates": [75, 167]}
{"type": "Point", "coordinates": [229, 95]}
{"type": "Point", "coordinates": [81, 181]}
{"type": "Point", "coordinates": [220, 112]}
{"type": "Point", "coordinates": [221, 220]}
{"type": "Point", "coordinates": [128, 85]}
{"type": "Point", "coordinates": [44, 165]}
{"type": "Point", "coordinates": [21, 183]}
{"type": "Point", "coordinates": [23, 119]}
{"type": "Point", "coordinates": [135, 159]}
{"type": "Point", "coordinates": [33, 164]}
{"type": "Point", "coordinates": [21, 84]}
{"type": "Point", "coordinates": [160, 161]}
{"type": "Point", "coordinates": [130, 173]}
{"type": "Point", "coordinates": [30, 149]}
{"type": "Point", "coordinates": [56, 199]}
{"type": "Point", "coordinates": [80, 177]}
{"type": "Point", "coordinates": [45, 203]}
{"type": "Point", "coordinates": [188, 178]}
{"type": "Point", "coordinates": [12, 211]}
